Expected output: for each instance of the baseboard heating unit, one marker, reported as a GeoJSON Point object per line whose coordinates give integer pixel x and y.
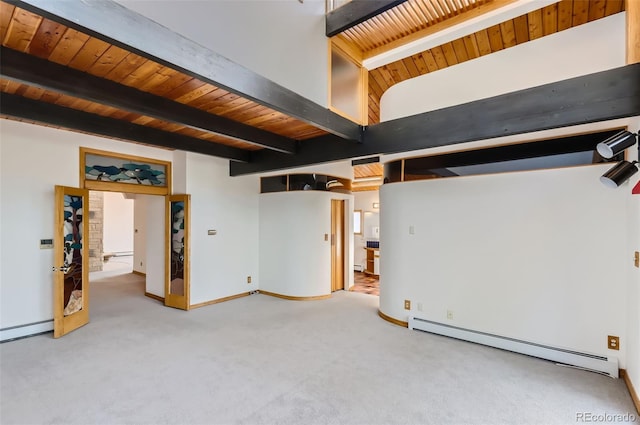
{"type": "Point", "coordinates": [596, 363]}
{"type": "Point", "coordinates": [22, 331]}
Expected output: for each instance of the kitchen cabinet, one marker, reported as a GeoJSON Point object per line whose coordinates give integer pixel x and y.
{"type": "Point", "coordinates": [373, 261]}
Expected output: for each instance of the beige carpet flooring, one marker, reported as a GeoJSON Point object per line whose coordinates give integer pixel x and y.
{"type": "Point", "coordinates": [264, 360]}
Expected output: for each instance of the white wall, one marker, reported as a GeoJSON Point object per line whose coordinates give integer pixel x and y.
{"type": "Point", "coordinates": [220, 264]}
{"type": "Point", "coordinates": [633, 297]}
{"type": "Point", "coordinates": [118, 223]}
{"type": "Point", "coordinates": [154, 213]}
{"type": "Point", "coordinates": [295, 260]}
{"type": "Point", "coordinates": [26, 201]}
{"type": "Point", "coordinates": [581, 320]}
{"type": "Point", "coordinates": [588, 48]}
{"type": "Point", "coordinates": [283, 41]}
{"type": "Point", "coordinates": [148, 241]}
{"type": "Point", "coordinates": [371, 225]}
{"type": "Point", "coordinates": [302, 255]}
{"type": "Point", "coordinates": [632, 345]}
{"type": "Point", "coordinates": [522, 255]}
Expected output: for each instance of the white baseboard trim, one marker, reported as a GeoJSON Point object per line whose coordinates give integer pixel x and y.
{"type": "Point", "coordinates": [21, 331]}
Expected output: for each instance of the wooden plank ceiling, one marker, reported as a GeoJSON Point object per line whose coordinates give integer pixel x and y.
{"type": "Point", "coordinates": [402, 22]}
{"type": "Point", "coordinates": [367, 170]}
{"type": "Point", "coordinates": [30, 33]}
{"type": "Point", "coordinates": [405, 22]}
{"type": "Point", "coordinates": [39, 37]}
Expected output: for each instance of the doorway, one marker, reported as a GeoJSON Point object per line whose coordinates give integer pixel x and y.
{"type": "Point", "coordinates": [115, 253]}
{"type": "Point", "coordinates": [131, 238]}
{"type": "Point", "coordinates": [111, 233]}
{"type": "Point", "coordinates": [112, 172]}
{"type": "Point", "coordinates": [147, 236]}
{"type": "Point", "coordinates": [367, 243]}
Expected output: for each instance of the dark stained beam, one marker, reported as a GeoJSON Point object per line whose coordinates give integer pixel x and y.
{"type": "Point", "coordinates": [27, 109]}
{"type": "Point", "coordinates": [541, 148]}
{"type": "Point", "coordinates": [31, 70]}
{"type": "Point", "coordinates": [115, 24]}
{"type": "Point", "coordinates": [356, 12]}
{"type": "Point", "coordinates": [369, 160]}
{"type": "Point", "coordinates": [591, 98]}
{"type": "Point", "coordinates": [317, 150]}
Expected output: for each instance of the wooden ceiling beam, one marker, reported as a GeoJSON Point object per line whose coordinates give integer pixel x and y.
{"type": "Point", "coordinates": [49, 75]}
{"type": "Point", "coordinates": [355, 12]}
{"type": "Point", "coordinates": [19, 107]}
{"type": "Point", "coordinates": [601, 96]}
{"type": "Point", "coordinates": [109, 21]}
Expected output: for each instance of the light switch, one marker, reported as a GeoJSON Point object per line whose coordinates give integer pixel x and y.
{"type": "Point", "coordinates": [212, 232]}
{"type": "Point", "coordinates": [412, 230]}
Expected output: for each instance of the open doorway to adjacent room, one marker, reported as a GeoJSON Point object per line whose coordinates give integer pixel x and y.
{"type": "Point", "coordinates": [116, 257]}
{"type": "Point", "coordinates": [366, 255]}
{"type": "Point", "coordinates": [126, 229]}
{"type": "Point", "coordinates": [111, 234]}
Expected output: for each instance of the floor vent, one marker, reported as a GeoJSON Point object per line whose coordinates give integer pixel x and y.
{"type": "Point", "coordinates": [593, 362]}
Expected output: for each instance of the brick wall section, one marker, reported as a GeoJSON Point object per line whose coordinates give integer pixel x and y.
{"type": "Point", "coordinates": [96, 219]}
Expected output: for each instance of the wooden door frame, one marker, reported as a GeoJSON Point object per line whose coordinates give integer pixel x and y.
{"type": "Point", "coordinates": [165, 191]}
{"type": "Point", "coordinates": [338, 234]}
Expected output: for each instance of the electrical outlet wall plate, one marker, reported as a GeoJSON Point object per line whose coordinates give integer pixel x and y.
{"type": "Point", "coordinates": [613, 342]}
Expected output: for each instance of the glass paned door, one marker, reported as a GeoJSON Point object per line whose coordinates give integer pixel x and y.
{"type": "Point", "coordinates": [177, 242]}
{"type": "Point", "coordinates": [71, 256]}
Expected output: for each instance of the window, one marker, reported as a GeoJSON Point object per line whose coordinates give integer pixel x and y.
{"type": "Point", "coordinates": [357, 222]}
